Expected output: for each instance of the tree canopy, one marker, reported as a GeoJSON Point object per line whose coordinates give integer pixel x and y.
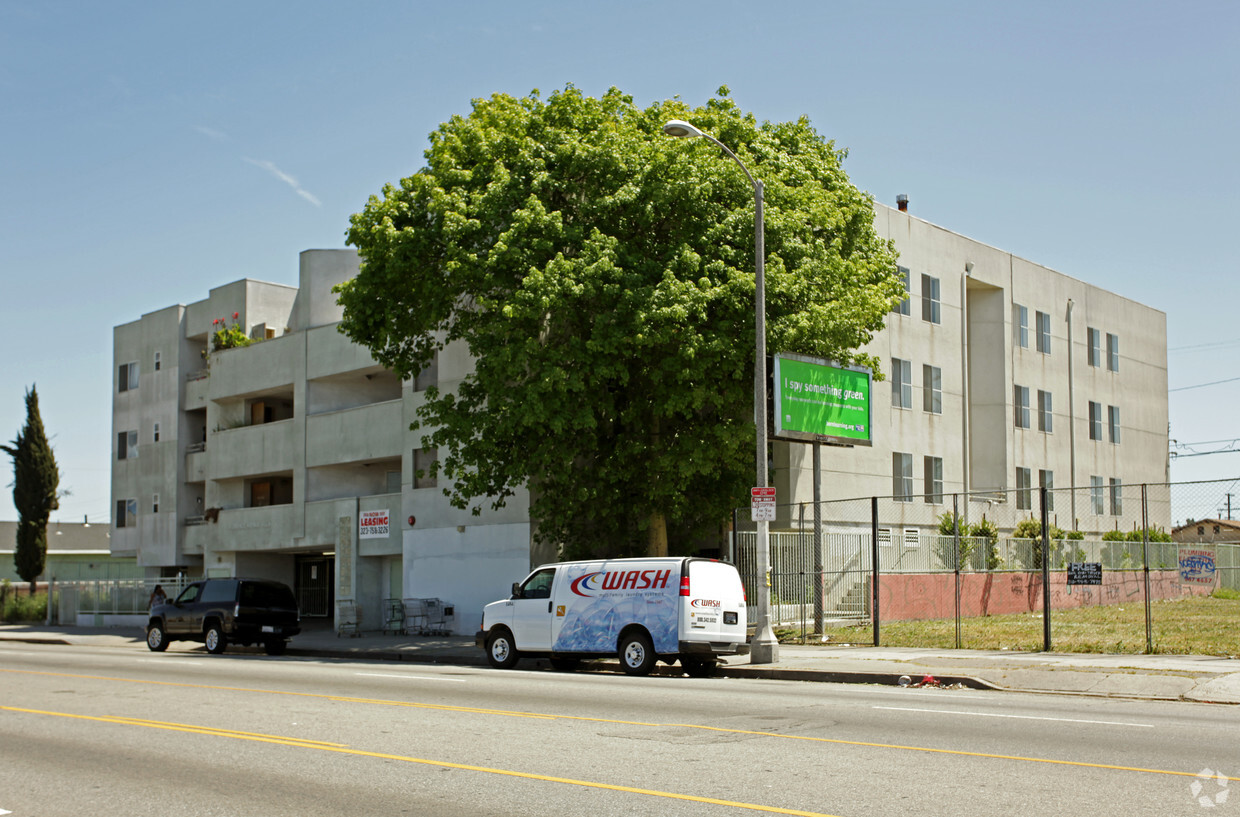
{"type": "Point", "coordinates": [35, 480]}
{"type": "Point", "coordinates": [601, 275]}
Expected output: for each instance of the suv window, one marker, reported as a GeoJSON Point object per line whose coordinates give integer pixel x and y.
{"type": "Point", "coordinates": [254, 594]}
{"type": "Point", "coordinates": [189, 594]}
{"type": "Point", "coordinates": [217, 591]}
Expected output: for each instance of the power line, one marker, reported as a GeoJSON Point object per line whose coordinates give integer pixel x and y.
{"type": "Point", "coordinates": [1203, 385]}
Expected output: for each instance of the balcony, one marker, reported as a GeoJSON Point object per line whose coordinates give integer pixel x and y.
{"type": "Point", "coordinates": [261, 449]}
{"type": "Point", "coordinates": [372, 432]}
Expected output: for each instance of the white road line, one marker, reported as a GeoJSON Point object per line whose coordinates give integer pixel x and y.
{"type": "Point", "coordinates": [411, 677]}
{"type": "Point", "coordinates": [1018, 717]}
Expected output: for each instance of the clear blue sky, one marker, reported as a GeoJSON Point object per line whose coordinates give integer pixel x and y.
{"type": "Point", "coordinates": [152, 150]}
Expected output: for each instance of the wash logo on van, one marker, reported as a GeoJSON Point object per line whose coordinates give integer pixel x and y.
{"type": "Point", "coordinates": [710, 604]}
{"type": "Point", "coordinates": [592, 584]}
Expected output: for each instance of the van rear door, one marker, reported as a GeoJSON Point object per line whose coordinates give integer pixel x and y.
{"type": "Point", "coordinates": [715, 607]}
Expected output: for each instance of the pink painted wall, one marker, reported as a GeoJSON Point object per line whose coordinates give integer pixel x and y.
{"type": "Point", "coordinates": [906, 596]}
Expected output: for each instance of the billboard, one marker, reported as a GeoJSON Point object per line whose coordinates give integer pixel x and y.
{"type": "Point", "coordinates": [818, 400]}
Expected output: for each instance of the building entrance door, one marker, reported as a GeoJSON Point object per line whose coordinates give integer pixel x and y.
{"type": "Point", "coordinates": [314, 585]}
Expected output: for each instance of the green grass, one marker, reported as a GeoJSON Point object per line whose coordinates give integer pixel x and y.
{"type": "Point", "coordinates": [19, 609]}
{"type": "Point", "coordinates": [1201, 625]}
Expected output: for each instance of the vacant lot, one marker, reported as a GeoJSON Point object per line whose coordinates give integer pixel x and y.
{"type": "Point", "coordinates": [1204, 625]}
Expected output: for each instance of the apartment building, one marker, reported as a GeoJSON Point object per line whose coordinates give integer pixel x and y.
{"type": "Point", "coordinates": [291, 458]}
{"type": "Point", "coordinates": [1003, 376]}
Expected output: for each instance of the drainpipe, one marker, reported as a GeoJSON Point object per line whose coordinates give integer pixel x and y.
{"type": "Point", "coordinates": [1071, 421]}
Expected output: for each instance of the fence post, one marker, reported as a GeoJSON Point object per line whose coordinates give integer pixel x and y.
{"type": "Point", "coordinates": [956, 558]}
{"type": "Point", "coordinates": [820, 577]}
{"type": "Point", "coordinates": [1145, 560]}
{"type": "Point", "coordinates": [1046, 572]}
{"type": "Point", "coordinates": [874, 566]}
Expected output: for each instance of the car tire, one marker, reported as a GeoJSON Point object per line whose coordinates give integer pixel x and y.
{"type": "Point", "coordinates": [214, 639]}
{"type": "Point", "coordinates": [637, 654]}
{"type": "Point", "coordinates": [501, 651]}
{"type": "Point", "coordinates": [277, 647]}
{"type": "Point", "coordinates": [699, 668]}
{"type": "Point", "coordinates": [156, 638]}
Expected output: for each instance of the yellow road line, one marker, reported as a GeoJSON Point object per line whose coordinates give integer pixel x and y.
{"type": "Point", "coordinates": [543, 716]}
{"type": "Point", "coordinates": [342, 749]}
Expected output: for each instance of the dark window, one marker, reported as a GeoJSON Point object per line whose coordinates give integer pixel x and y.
{"type": "Point", "coordinates": [538, 586]}
{"type": "Point", "coordinates": [224, 590]}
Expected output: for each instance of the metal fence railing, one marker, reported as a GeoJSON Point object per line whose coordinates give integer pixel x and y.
{"type": "Point", "coordinates": [1050, 556]}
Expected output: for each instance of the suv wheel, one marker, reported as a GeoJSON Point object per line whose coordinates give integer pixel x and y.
{"type": "Point", "coordinates": [156, 638]}
{"type": "Point", "coordinates": [215, 641]}
{"type": "Point", "coordinates": [276, 647]}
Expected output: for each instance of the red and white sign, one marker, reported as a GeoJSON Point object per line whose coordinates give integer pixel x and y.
{"type": "Point", "coordinates": [373, 525]}
{"type": "Point", "coordinates": [762, 504]}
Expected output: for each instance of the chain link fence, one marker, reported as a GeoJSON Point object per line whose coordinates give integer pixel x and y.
{"type": "Point", "coordinates": [1123, 568]}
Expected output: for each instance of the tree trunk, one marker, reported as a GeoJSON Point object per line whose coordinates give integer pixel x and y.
{"type": "Point", "coordinates": [657, 535]}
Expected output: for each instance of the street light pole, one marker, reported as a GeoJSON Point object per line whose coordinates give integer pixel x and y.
{"type": "Point", "coordinates": [764, 649]}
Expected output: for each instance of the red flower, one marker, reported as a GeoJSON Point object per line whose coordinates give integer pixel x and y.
{"type": "Point", "coordinates": [214, 322]}
{"type": "Point", "coordinates": [236, 315]}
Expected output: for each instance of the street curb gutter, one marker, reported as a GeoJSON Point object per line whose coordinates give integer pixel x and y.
{"type": "Point", "coordinates": [770, 673]}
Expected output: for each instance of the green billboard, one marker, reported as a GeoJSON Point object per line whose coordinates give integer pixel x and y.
{"type": "Point", "coordinates": [816, 400]}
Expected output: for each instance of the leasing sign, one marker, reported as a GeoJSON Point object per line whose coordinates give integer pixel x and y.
{"type": "Point", "coordinates": [817, 400]}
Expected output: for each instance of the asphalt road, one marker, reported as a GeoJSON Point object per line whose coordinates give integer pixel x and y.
{"type": "Point", "coordinates": [98, 731]}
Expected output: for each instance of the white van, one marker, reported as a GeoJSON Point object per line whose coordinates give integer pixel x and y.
{"type": "Point", "coordinates": [640, 610]}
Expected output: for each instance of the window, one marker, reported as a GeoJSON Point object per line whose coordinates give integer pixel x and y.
{"type": "Point", "coordinates": [1045, 414]}
{"type": "Point", "coordinates": [393, 482]}
{"type": "Point", "coordinates": [930, 302]}
{"type": "Point", "coordinates": [932, 389]}
{"type": "Point", "coordinates": [934, 480]}
{"type": "Point", "coordinates": [538, 586]}
{"type": "Point", "coordinates": [1113, 423]}
{"type": "Point", "coordinates": [905, 306]}
{"type": "Point", "coordinates": [1095, 346]}
{"type": "Point", "coordinates": [1216, 528]}
{"type": "Point", "coordinates": [1117, 497]}
{"type": "Point", "coordinates": [902, 477]}
{"type": "Point", "coordinates": [127, 445]}
{"type": "Point", "coordinates": [1044, 332]}
{"type": "Point", "coordinates": [429, 376]}
{"type": "Point", "coordinates": [1020, 401]}
{"type": "Point", "coordinates": [1095, 420]}
{"type": "Point", "coordinates": [157, 361]}
{"type": "Point", "coordinates": [1096, 495]}
{"type": "Point", "coordinates": [1024, 489]}
{"type": "Point", "coordinates": [127, 377]}
{"type": "Point", "coordinates": [1046, 479]}
{"type": "Point", "coordinates": [155, 434]}
{"type": "Point", "coordinates": [1112, 352]}
{"type": "Point", "coordinates": [1021, 323]}
{"type": "Point", "coordinates": [1201, 530]}
{"type": "Point", "coordinates": [901, 383]}
{"type": "Point", "coordinates": [423, 459]}
{"type": "Point", "coordinates": [126, 513]}
{"type": "Point", "coordinates": [155, 503]}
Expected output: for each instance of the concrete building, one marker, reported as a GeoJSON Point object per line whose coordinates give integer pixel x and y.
{"type": "Point", "coordinates": [291, 458]}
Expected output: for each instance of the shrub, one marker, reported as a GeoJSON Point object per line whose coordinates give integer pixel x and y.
{"type": "Point", "coordinates": [988, 534]}
{"type": "Point", "coordinates": [24, 608]}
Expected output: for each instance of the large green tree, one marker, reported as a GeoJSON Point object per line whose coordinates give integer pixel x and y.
{"type": "Point", "coordinates": [35, 480]}
{"type": "Point", "coordinates": [601, 275]}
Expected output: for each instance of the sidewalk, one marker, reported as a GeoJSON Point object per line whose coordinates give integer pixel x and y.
{"type": "Point", "coordinates": [1150, 677]}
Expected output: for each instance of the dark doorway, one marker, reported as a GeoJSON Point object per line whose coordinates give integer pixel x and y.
{"type": "Point", "coordinates": [314, 585]}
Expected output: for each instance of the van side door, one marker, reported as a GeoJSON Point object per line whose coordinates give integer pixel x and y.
{"type": "Point", "coordinates": [531, 611]}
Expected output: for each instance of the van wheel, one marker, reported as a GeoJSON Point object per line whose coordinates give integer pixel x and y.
{"type": "Point", "coordinates": [214, 639]}
{"type": "Point", "coordinates": [698, 668]}
{"type": "Point", "coordinates": [501, 653]}
{"type": "Point", "coordinates": [156, 638]}
{"type": "Point", "coordinates": [637, 654]}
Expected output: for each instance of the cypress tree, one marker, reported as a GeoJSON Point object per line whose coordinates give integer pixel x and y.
{"type": "Point", "coordinates": [35, 480]}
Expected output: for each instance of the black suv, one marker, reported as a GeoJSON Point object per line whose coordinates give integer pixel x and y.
{"type": "Point", "coordinates": [219, 612]}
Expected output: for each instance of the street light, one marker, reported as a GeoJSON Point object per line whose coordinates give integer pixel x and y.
{"type": "Point", "coordinates": [765, 648]}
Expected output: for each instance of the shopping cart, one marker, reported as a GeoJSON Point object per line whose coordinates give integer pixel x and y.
{"type": "Point", "coordinates": [425, 617]}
